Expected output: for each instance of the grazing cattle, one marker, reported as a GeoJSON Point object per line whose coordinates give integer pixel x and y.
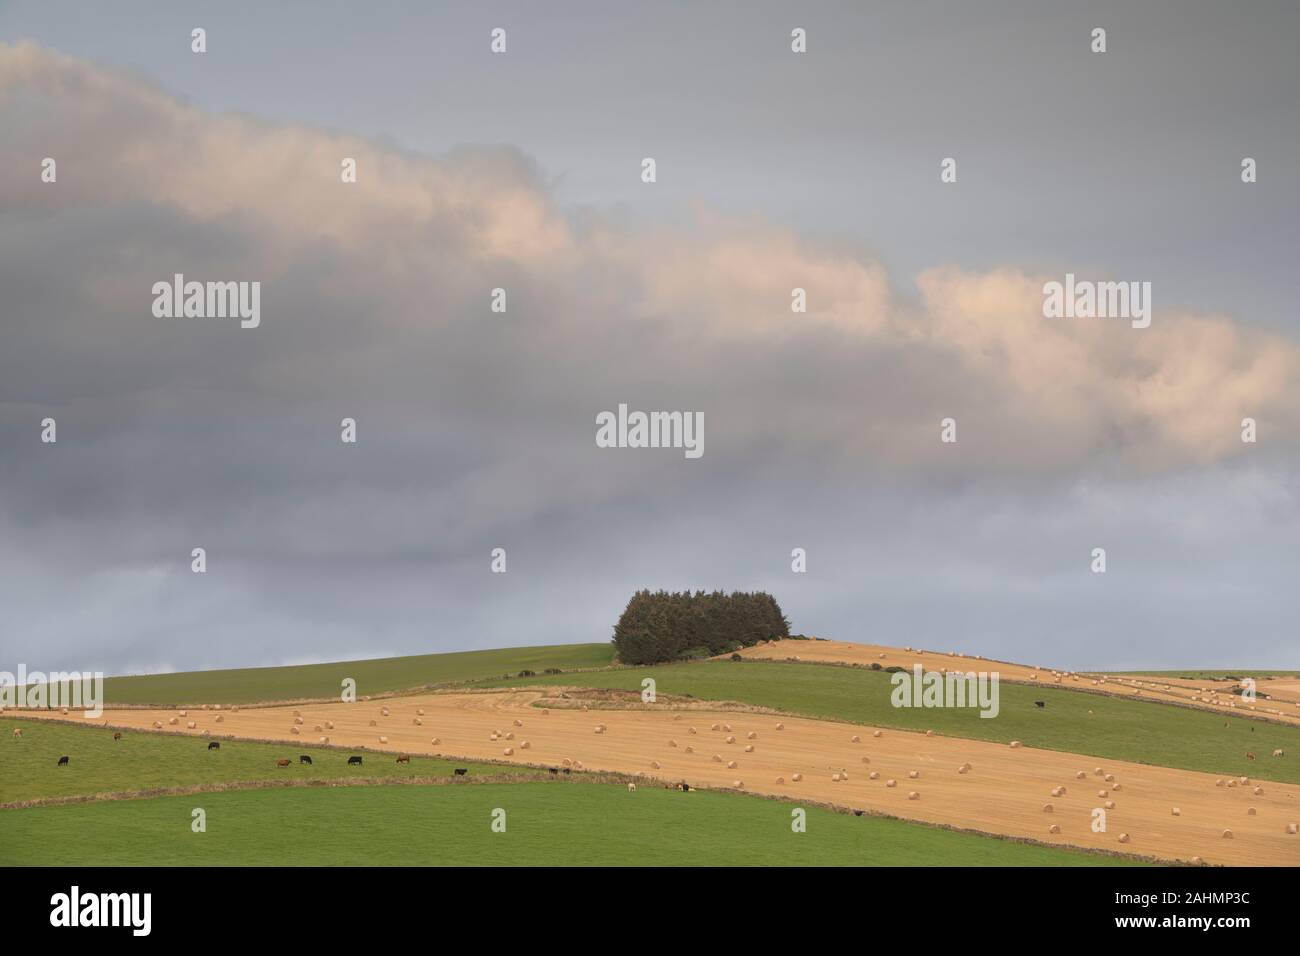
{"type": "Point", "coordinates": [303, 758]}
{"type": "Point", "coordinates": [1250, 755]}
{"type": "Point", "coordinates": [283, 762]}
{"type": "Point", "coordinates": [554, 771]}
{"type": "Point", "coordinates": [63, 761]}
{"type": "Point", "coordinates": [214, 745]}
{"type": "Point", "coordinates": [1278, 752]}
{"type": "Point", "coordinates": [354, 761]}
{"type": "Point", "coordinates": [403, 758]}
{"type": "Point", "coordinates": [18, 731]}
{"type": "Point", "coordinates": [117, 736]}
{"type": "Point", "coordinates": [686, 787]}
{"type": "Point", "coordinates": [567, 770]}
{"type": "Point", "coordinates": [460, 771]}
{"type": "Point", "coordinates": [1040, 704]}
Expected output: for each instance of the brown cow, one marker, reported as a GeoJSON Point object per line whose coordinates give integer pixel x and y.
{"type": "Point", "coordinates": [403, 758]}
{"type": "Point", "coordinates": [117, 736]}
{"type": "Point", "coordinates": [282, 763]}
{"type": "Point", "coordinates": [1250, 755]}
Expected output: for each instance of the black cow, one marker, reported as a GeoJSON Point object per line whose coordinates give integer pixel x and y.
{"type": "Point", "coordinates": [460, 771]}
{"type": "Point", "coordinates": [567, 770]}
{"type": "Point", "coordinates": [554, 771]}
{"type": "Point", "coordinates": [63, 761]}
{"type": "Point", "coordinates": [857, 813]}
{"type": "Point", "coordinates": [1040, 704]}
{"type": "Point", "coordinates": [303, 758]}
{"type": "Point", "coordinates": [354, 760]}
{"type": "Point", "coordinates": [214, 745]}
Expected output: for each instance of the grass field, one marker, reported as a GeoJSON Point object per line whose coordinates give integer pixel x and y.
{"type": "Point", "coordinates": [546, 824]}
{"type": "Point", "coordinates": [1140, 731]}
{"type": "Point", "coordinates": [144, 761]}
{"type": "Point", "coordinates": [249, 685]}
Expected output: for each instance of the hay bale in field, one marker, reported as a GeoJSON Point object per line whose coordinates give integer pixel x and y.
{"type": "Point", "coordinates": [1250, 811]}
{"type": "Point", "coordinates": [1047, 808]}
{"type": "Point", "coordinates": [929, 733]}
{"type": "Point", "coordinates": [1218, 783]}
{"type": "Point", "coordinates": [796, 777]}
{"type": "Point", "coordinates": [510, 736]}
{"type": "Point", "coordinates": [1109, 777]}
{"type": "Point", "coordinates": [727, 727]}
{"type": "Point", "coordinates": [383, 740]}
{"type": "Point", "coordinates": [749, 748]}
{"type": "Point", "coordinates": [717, 758]}
{"type": "Point", "coordinates": [172, 722]}
{"type": "Point", "coordinates": [318, 728]}
{"type": "Point", "coordinates": [731, 740]}
{"type": "Point", "coordinates": [1053, 829]}
{"type": "Point", "coordinates": [752, 735]}
{"type": "Point", "coordinates": [1292, 828]}
{"type": "Point", "coordinates": [891, 783]}
{"type": "Point", "coordinates": [294, 731]}
{"type": "Point", "coordinates": [913, 774]}
{"type": "Point", "coordinates": [874, 775]}
{"type": "Point", "coordinates": [1080, 775]}
{"type": "Point", "coordinates": [1058, 791]}
{"type": "Point", "coordinates": [780, 779]}
{"type": "Point", "coordinates": [435, 741]}
{"type": "Point", "coordinates": [715, 727]}
{"type": "Point", "coordinates": [184, 713]}
{"type": "Point", "coordinates": [672, 743]}
{"type": "Point", "coordinates": [324, 740]}
{"type": "Point", "coordinates": [417, 721]}
{"type": "Point", "coordinates": [780, 726]}
{"type": "Point", "coordinates": [600, 728]}
{"type": "Point", "coordinates": [654, 764]}
{"type": "Point", "coordinates": [524, 745]}
{"type": "Point", "coordinates": [1103, 793]}
{"type": "Point", "coordinates": [509, 751]}
{"type": "Point", "coordinates": [964, 768]}
{"type": "Point", "coordinates": [913, 795]}
{"type": "Point", "coordinates": [866, 760]}
{"type": "Point", "coordinates": [518, 722]}
{"type": "Point", "coordinates": [329, 725]}
{"type": "Point", "coordinates": [374, 723]}
{"type": "Point", "coordinates": [299, 721]}
{"type": "Point", "coordinates": [1109, 804]}
{"type": "Point", "coordinates": [691, 730]}
{"type": "Point", "coordinates": [835, 777]}
{"type": "Point", "coordinates": [1097, 771]}
{"type": "Point", "coordinates": [731, 765]}
{"type": "Point", "coordinates": [157, 724]}
{"type": "Point", "coordinates": [568, 762]}
{"type": "Point", "coordinates": [1123, 838]}
{"type": "Point", "coordinates": [190, 724]}
{"type": "Point", "coordinates": [876, 733]}
{"type": "Point", "coordinates": [738, 784]}
{"type": "Point", "coordinates": [384, 712]}
{"type": "Point", "coordinates": [1227, 834]}
{"type": "Point", "coordinates": [1258, 790]}
{"type": "Point", "coordinates": [855, 739]}
{"type": "Point", "coordinates": [1015, 744]}
{"type": "Point", "coordinates": [1175, 811]}
{"type": "Point", "coordinates": [1117, 786]}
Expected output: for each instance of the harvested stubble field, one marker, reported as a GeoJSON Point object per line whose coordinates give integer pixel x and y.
{"type": "Point", "coordinates": [1004, 792]}
{"type": "Point", "coordinates": [547, 824]}
{"type": "Point", "coordinates": [1105, 727]}
{"type": "Point", "coordinates": [1278, 693]}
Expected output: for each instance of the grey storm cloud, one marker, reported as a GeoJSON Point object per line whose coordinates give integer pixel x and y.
{"type": "Point", "coordinates": [476, 429]}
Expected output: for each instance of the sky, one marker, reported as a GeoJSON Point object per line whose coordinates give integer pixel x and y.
{"type": "Point", "coordinates": [476, 429]}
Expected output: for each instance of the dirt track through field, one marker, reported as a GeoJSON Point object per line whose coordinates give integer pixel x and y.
{"type": "Point", "coordinates": [1282, 702]}
{"type": "Point", "coordinates": [1003, 793]}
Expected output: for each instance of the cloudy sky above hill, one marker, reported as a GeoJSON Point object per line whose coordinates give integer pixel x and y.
{"type": "Point", "coordinates": [476, 429]}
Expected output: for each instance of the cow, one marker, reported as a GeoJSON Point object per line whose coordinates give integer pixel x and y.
{"type": "Point", "coordinates": [63, 761]}
{"type": "Point", "coordinates": [403, 758]}
{"type": "Point", "coordinates": [1250, 755]}
{"type": "Point", "coordinates": [554, 771]}
{"type": "Point", "coordinates": [282, 762]}
{"type": "Point", "coordinates": [567, 770]}
{"type": "Point", "coordinates": [460, 771]}
{"type": "Point", "coordinates": [303, 758]}
{"type": "Point", "coordinates": [18, 732]}
{"type": "Point", "coordinates": [214, 745]}
{"type": "Point", "coordinates": [686, 787]}
{"type": "Point", "coordinates": [1040, 704]}
{"type": "Point", "coordinates": [354, 761]}
{"type": "Point", "coordinates": [117, 736]}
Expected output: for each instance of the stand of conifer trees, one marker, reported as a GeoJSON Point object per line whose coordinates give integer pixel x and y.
{"type": "Point", "coordinates": [658, 626]}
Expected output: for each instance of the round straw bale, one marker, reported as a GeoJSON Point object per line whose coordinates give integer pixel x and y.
{"type": "Point", "coordinates": [913, 795]}
{"type": "Point", "coordinates": [891, 783]}
{"type": "Point", "coordinates": [796, 777]}
{"type": "Point", "coordinates": [1053, 829]}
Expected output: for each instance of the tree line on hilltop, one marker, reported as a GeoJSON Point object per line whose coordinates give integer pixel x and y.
{"type": "Point", "coordinates": [658, 626]}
